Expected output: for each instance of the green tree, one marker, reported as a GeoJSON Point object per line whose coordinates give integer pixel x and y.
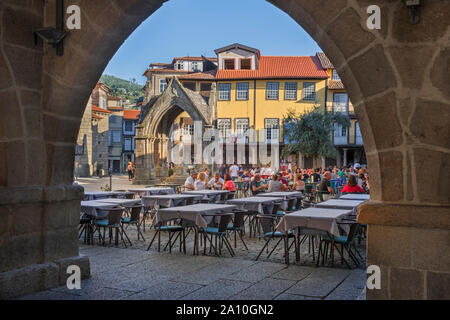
{"type": "Point", "coordinates": [311, 133]}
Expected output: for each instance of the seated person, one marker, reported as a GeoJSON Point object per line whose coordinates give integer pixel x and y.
{"type": "Point", "coordinates": [216, 182]}
{"type": "Point", "coordinates": [324, 185]}
{"type": "Point", "coordinates": [276, 185]}
{"type": "Point", "coordinates": [200, 184]}
{"type": "Point", "coordinates": [299, 185]}
{"type": "Point", "coordinates": [189, 184]}
{"type": "Point", "coordinates": [256, 186]}
{"type": "Point", "coordinates": [228, 183]}
{"type": "Point", "coordinates": [283, 180]}
{"type": "Point", "coordinates": [352, 186]}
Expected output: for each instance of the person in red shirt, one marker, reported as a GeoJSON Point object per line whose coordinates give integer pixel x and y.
{"type": "Point", "coordinates": [228, 184]}
{"type": "Point", "coordinates": [352, 186]}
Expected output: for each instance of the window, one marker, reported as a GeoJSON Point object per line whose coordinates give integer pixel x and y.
{"type": "Point", "coordinates": [309, 91]}
{"type": "Point", "coordinates": [229, 64]}
{"type": "Point", "coordinates": [241, 126]}
{"type": "Point", "coordinates": [224, 91]}
{"type": "Point", "coordinates": [340, 102]}
{"type": "Point", "coordinates": [116, 136]}
{"type": "Point", "coordinates": [339, 130]}
{"type": "Point", "coordinates": [242, 91]}
{"type": "Point", "coordinates": [188, 130]}
{"type": "Point", "coordinates": [335, 76]}
{"type": "Point", "coordinates": [290, 90]}
{"type": "Point", "coordinates": [162, 85]}
{"type": "Point", "coordinates": [179, 65]}
{"type": "Point", "coordinates": [101, 102]}
{"type": "Point", "coordinates": [128, 126]}
{"type": "Point", "coordinates": [246, 64]}
{"type": "Point", "coordinates": [272, 128]}
{"type": "Point", "coordinates": [224, 127]}
{"type": "Point", "coordinates": [128, 144]}
{"type": "Point", "coordinates": [195, 66]}
{"type": "Point", "coordinates": [272, 90]}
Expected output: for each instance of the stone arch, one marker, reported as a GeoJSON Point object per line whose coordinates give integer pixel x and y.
{"type": "Point", "coordinates": [403, 113]}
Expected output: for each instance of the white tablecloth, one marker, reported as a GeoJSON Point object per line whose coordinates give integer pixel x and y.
{"type": "Point", "coordinates": [192, 213]}
{"type": "Point", "coordinates": [340, 204]}
{"type": "Point", "coordinates": [121, 202]}
{"type": "Point", "coordinates": [96, 195]}
{"type": "Point", "coordinates": [95, 208]}
{"type": "Point", "coordinates": [168, 201]}
{"type": "Point", "coordinates": [355, 197]}
{"type": "Point", "coordinates": [262, 205]}
{"type": "Point", "coordinates": [325, 220]}
{"type": "Point", "coordinates": [152, 191]}
{"type": "Point", "coordinates": [214, 195]}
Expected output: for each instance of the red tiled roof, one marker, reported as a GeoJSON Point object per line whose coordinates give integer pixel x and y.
{"type": "Point", "coordinates": [324, 61]}
{"type": "Point", "coordinates": [95, 116]}
{"type": "Point", "coordinates": [114, 98]}
{"type": "Point", "coordinates": [131, 114]}
{"type": "Point", "coordinates": [97, 109]}
{"type": "Point", "coordinates": [279, 67]}
{"type": "Point", "coordinates": [208, 75]}
{"type": "Point", "coordinates": [336, 85]}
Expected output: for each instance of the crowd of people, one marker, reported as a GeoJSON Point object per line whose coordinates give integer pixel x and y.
{"type": "Point", "coordinates": [354, 179]}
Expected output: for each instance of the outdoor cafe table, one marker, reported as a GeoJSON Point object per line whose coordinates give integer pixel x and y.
{"type": "Point", "coordinates": [262, 205]}
{"type": "Point", "coordinates": [193, 213]}
{"type": "Point", "coordinates": [213, 195]}
{"type": "Point", "coordinates": [169, 200]}
{"type": "Point", "coordinates": [355, 196]}
{"type": "Point", "coordinates": [152, 191]}
{"type": "Point", "coordinates": [318, 219]}
{"type": "Point", "coordinates": [121, 202]}
{"type": "Point", "coordinates": [289, 197]}
{"type": "Point", "coordinates": [95, 208]}
{"type": "Point", "coordinates": [96, 195]}
{"type": "Point", "coordinates": [340, 204]}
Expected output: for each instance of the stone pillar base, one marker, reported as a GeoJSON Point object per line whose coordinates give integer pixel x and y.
{"type": "Point", "coordinates": [40, 277]}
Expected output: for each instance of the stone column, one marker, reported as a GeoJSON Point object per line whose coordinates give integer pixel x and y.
{"type": "Point", "coordinates": [345, 157]}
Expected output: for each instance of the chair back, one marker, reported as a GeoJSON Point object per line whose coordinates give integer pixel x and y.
{"type": "Point", "coordinates": [230, 196]}
{"type": "Point", "coordinates": [354, 227]}
{"type": "Point", "coordinates": [239, 218]}
{"type": "Point", "coordinates": [224, 221]}
{"type": "Point", "coordinates": [114, 216]}
{"type": "Point", "coordinates": [266, 223]}
{"type": "Point", "coordinates": [129, 196]}
{"type": "Point", "coordinates": [308, 188]}
{"type": "Point", "coordinates": [135, 213]}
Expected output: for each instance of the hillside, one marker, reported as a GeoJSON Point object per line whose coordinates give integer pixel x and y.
{"type": "Point", "coordinates": [119, 87]}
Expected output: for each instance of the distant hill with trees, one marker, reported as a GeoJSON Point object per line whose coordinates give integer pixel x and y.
{"type": "Point", "coordinates": [127, 89]}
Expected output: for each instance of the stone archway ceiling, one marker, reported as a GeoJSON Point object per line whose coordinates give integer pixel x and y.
{"type": "Point", "coordinates": [175, 95]}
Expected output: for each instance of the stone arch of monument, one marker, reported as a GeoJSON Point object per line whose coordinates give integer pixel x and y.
{"type": "Point", "coordinates": [397, 78]}
{"type": "Point", "coordinates": [153, 131]}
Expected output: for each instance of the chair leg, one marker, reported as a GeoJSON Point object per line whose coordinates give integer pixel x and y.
{"type": "Point", "coordinates": [276, 245]}
{"type": "Point", "coordinates": [123, 232]}
{"type": "Point", "coordinates": [153, 239]}
{"type": "Point", "coordinates": [240, 236]}
{"type": "Point", "coordinates": [259, 254]}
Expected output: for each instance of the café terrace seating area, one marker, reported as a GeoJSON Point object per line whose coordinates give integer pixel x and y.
{"type": "Point", "coordinates": [283, 227]}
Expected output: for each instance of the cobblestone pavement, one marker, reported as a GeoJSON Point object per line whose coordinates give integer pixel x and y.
{"type": "Point", "coordinates": [135, 273]}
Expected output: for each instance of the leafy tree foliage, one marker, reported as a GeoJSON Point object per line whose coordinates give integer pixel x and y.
{"type": "Point", "coordinates": [311, 133]}
{"type": "Point", "coordinates": [128, 90]}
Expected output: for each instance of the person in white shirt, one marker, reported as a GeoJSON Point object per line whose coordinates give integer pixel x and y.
{"type": "Point", "coordinates": [234, 172]}
{"type": "Point", "coordinates": [268, 170]}
{"type": "Point", "coordinates": [200, 184]}
{"type": "Point", "coordinates": [189, 184]}
{"type": "Point", "coordinates": [216, 182]}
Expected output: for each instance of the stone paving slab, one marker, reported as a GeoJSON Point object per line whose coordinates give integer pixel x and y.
{"type": "Point", "coordinates": [221, 289]}
{"type": "Point", "coordinates": [257, 272]}
{"type": "Point", "coordinates": [266, 289]}
{"type": "Point", "coordinates": [168, 290]}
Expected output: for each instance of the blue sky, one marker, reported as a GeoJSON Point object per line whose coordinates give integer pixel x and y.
{"type": "Point", "coordinates": [197, 27]}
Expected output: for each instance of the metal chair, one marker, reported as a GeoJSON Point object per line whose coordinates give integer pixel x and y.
{"type": "Point", "coordinates": [219, 233]}
{"type": "Point", "coordinates": [171, 230]}
{"type": "Point", "coordinates": [267, 222]}
{"type": "Point", "coordinates": [238, 226]}
{"type": "Point", "coordinates": [134, 219]}
{"type": "Point", "coordinates": [113, 221]}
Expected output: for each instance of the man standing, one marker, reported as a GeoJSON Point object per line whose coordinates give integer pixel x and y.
{"type": "Point", "coordinates": [234, 172]}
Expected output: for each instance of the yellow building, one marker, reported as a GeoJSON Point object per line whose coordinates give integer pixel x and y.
{"type": "Point", "coordinates": [248, 90]}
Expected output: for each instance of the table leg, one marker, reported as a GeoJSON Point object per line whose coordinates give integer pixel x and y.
{"type": "Point", "coordinates": [332, 249]}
